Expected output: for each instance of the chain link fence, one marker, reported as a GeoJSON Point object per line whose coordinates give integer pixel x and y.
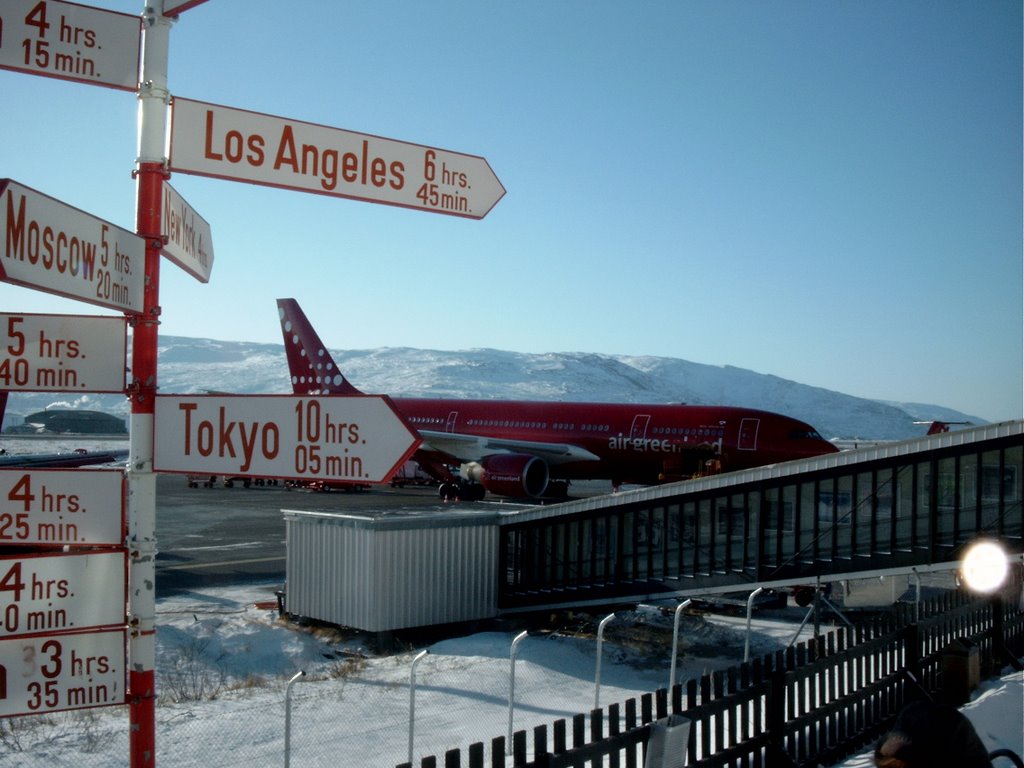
{"type": "Point", "coordinates": [224, 664]}
{"type": "Point", "coordinates": [350, 711]}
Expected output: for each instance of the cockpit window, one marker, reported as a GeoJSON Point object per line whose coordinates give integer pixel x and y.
{"type": "Point", "coordinates": [804, 434]}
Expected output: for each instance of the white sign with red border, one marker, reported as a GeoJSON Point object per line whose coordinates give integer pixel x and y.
{"type": "Point", "coordinates": [229, 143]}
{"type": "Point", "coordinates": [62, 353]}
{"type": "Point", "coordinates": [72, 671]}
{"type": "Point", "coordinates": [69, 507]}
{"type": "Point", "coordinates": [71, 42]}
{"type": "Point", "coordinates": [52, 593]}
{"type": "Point", "coordinates": [51, 246]}
{"type": "Point", "coordinates": [175, 8]}
{"type": "Point", "coordinates": [358, 439]}
{"type": "Point", "coordinates": [188, 239]}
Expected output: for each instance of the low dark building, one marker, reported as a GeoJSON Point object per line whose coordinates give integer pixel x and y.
{"type": "Point", "coordinates": [63, 421]}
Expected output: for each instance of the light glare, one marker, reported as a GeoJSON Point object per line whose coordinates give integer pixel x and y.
{"type": "Point", "coordinates": [984, 567]}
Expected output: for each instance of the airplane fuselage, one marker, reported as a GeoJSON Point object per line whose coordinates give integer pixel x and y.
{"type": "Point", "coordinates": [635, 443]}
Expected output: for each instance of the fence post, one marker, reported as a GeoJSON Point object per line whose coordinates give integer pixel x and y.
{"type": "Point", "coordinates": [775, 716]}
{"type": "Point", "coordinates": [498, 752]}
{"type": "Point", "coordinates": [512, 684]}
{"type": "Point", "coordinates": [412, 698]}
{"type": "Point", "coordinates": [750, 611]}
{"type": "Point", "coordinates": [675, 642]}
{"type": "Point", "coordinates": [597, 671]}
{"type": "Point", "coordinates": [1001, 653]}
{"type": "Point", "coordinates": [558, 736]}
{"type": "Point", "coordinates": [917, 595]}
{"type": "Point", "coordinates": [288, 716]}
{"type": "Point", "coordinates": [519, 748]}
{"type": "Point", "coordinates": [912, 649]}
{"type": "Point", "coordinates": [541, 756]}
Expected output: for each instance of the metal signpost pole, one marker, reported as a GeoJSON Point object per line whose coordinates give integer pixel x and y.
{"type": "Point", "coordinates": [150, 172]}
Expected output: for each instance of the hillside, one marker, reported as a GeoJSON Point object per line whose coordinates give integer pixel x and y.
{"type": "Point", "coordinates": [190, 365]}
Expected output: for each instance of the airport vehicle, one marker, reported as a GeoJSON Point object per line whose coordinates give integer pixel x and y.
{"type": "Point", "coordinates": [532, 449]}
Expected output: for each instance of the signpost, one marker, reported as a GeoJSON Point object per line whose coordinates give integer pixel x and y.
{"type": "Point", "coordinates": [45, 599]}
{"type": "Point", "coordinates": [51, 246]}
{"type": "Point", "coordinates": [70, 42]}
{"type": "Point", "coordinates": [62, 353]}
{"type": "Point", "coordinates": [346, 439]}
{"type": "Point", "coordinates": [55, 507]}
{"type": "Point", "coordinates": [228, 143]}
{"type": "Point", "coordinates": [188, 240]}
{"type": "Point", "coordinates": [69, 671]}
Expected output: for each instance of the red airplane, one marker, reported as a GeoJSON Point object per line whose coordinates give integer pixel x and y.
{"type": "Point", "coordinates": [532, 449]}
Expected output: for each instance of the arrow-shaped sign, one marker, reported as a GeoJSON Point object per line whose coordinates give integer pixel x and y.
{"type": "Point", "coordinates": [62, 353]}
{"type": "Point", "coordinates": [228, 143]}
{"type": "Point", "coordinates": [49, 245]}
{"type": "Point", "coordinates": [71, 42]}
{"type": "Point", "coordinates": [359, 439]}
{"type": "Point", "coordinates": [188, 240]}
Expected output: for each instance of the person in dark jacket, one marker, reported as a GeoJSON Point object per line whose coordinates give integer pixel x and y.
{"type": "Point", "coordinates": [930, 735]}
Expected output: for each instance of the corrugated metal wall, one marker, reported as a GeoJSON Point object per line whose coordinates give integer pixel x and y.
{"type": "Point", "coordinates": [379, 574]}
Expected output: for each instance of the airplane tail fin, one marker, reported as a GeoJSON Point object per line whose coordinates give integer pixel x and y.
{"type": "Point", "coordinates": [940, 427]}
{"type": "Point", "coordinates": [311, 366]}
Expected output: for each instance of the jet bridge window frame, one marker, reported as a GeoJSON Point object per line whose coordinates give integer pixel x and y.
{"type": "Point", "coordinates": [887, 512]}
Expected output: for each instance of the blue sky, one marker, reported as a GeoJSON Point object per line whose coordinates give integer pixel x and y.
{"type": "Point", "coordinates": [830, 192]}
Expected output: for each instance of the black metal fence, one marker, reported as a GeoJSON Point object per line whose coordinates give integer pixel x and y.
{"type": "Point", "coordinates": [812, 704]}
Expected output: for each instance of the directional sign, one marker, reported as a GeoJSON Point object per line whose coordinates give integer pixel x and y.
{"type": "Point", "coordinates": [349, 439]}
{"type": "Point", "coordinates": [49, 245]}
{"type": "Point", "coordinates": [71, 42]}
{"type": "Point", "coordinates": [61, 593]}
{"type": "Point", "coordinates": [76, 507]}
{"type": "Point", "coordinates": [62, 353]}
{"type": "Point", "coordinates": [187, 236]}
{"type": "Point", "coordinates": [52, 674]}
{"type": "Point", "coordinates": [228, 143]}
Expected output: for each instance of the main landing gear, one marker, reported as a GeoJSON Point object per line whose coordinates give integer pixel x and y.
{"type": "Point", "coordinates": [461, 492]}
{"type": "Point", "coordinates": [557, 490]}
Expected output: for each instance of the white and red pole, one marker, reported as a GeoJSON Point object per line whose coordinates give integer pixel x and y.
{"type": "Point", "coordinates": [150, 172]}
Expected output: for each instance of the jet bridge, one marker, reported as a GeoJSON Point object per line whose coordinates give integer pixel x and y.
{"type": "Point", "coordinates": [886, 509]}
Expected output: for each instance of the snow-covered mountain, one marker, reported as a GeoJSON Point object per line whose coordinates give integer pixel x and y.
{"type": "Point", "coordinates": [196, 365]}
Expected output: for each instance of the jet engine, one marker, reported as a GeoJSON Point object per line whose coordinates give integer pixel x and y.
{"type": "Point", "coordinates": [514, 474]}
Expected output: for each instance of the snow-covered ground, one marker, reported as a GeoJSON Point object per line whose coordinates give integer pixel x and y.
{"type": "Point", "coordinates": [225, 660]}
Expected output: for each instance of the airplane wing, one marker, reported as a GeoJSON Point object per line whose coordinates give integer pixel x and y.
{"type": "Point", "coordinates": [473, 447]}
